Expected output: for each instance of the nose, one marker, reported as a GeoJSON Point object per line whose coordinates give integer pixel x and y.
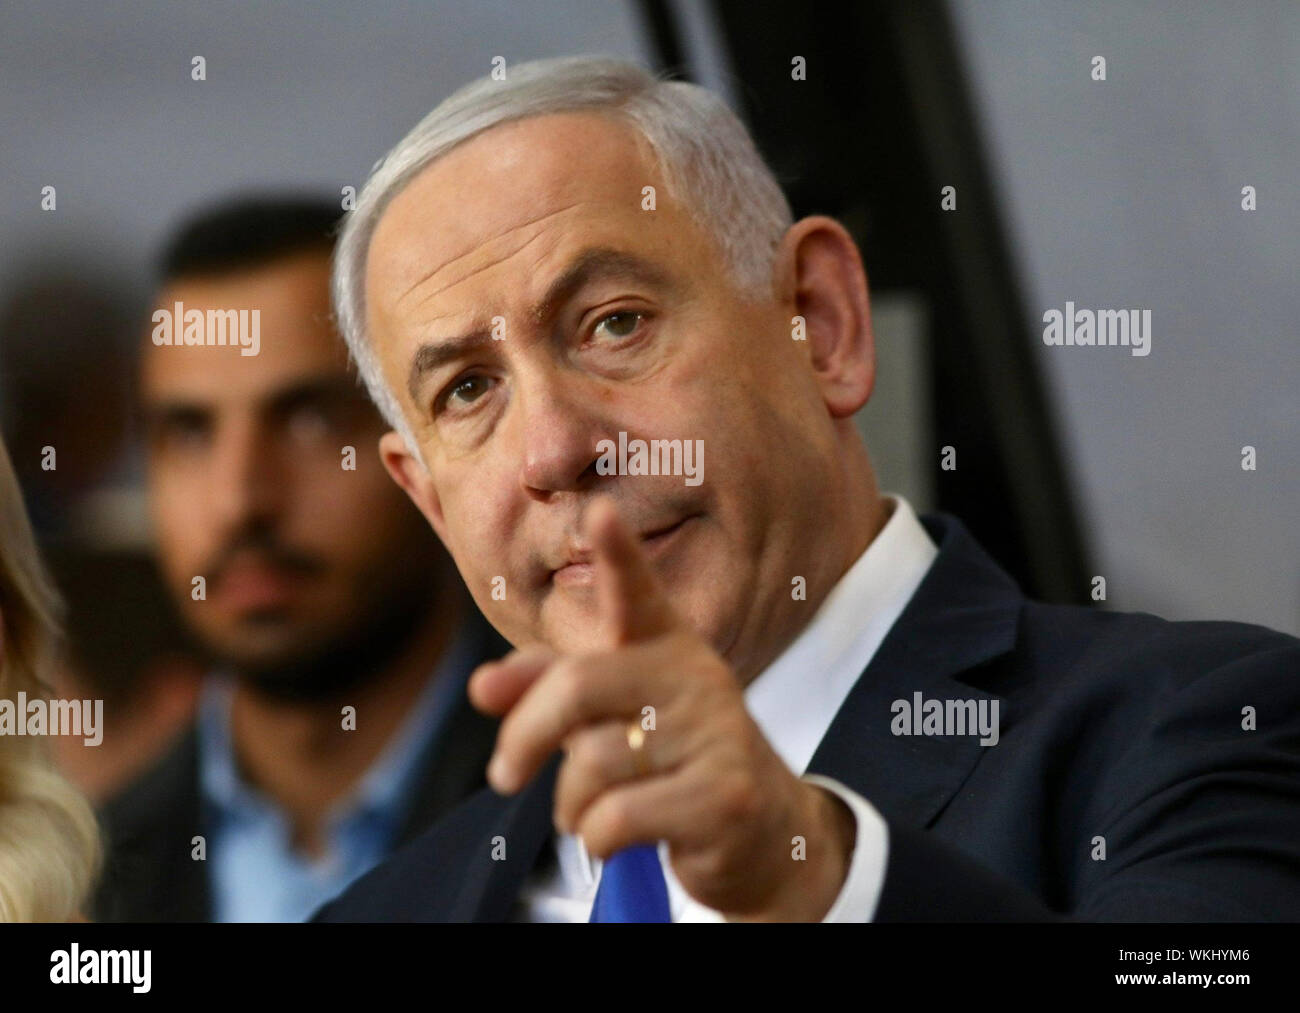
{"type": "Point", "coordinates": [560, 430]}
{"type": "Point", "coordinates": [246, 480]}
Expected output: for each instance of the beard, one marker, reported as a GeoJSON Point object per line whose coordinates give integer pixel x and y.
{"type": "Point", "coordinates": [332, 666]}
{"type": "Point", "coordinates": [396, 601]}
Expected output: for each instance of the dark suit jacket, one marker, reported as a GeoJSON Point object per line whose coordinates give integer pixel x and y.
{"type": "Point", "coordinates": [149, 875]}
{"type": "Point", "coordinates": [1116, 726]}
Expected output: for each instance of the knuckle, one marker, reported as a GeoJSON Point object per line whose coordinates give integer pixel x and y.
{"type": "Point", "coordinates": [740, 798]}
{"type": "Point", "coordinates": [616, 821]}
{"type": "Point", "coordinates": [568, 679]}
{"type": "Point", "coordinates": [586, 757]}
{"type": "Point", "coordinates": [508, 733]}
{"type": "Point", "coordinates": [735, 732]}
{"type": "Point", "coordinates": [714, 865]}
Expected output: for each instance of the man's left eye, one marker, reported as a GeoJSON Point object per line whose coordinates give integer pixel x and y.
{"type": "Point", "coordinates": [309, 425]}
{"type": "Point", "coordinates": [622, 324]}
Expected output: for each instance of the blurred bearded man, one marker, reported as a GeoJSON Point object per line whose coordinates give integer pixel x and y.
{"type": "Point", "coordinates": [334, 725]}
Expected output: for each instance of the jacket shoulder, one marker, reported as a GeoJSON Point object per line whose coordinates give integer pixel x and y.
{"type": "Point", "coordinates": [1073, 642]}
{"type": "Point", "coordinates": [147, 828]}
{"type": "Point", "coordinates": [147, 797]}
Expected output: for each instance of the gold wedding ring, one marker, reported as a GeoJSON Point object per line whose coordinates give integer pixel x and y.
{"type": "Point", "coordinates": [636, 742]}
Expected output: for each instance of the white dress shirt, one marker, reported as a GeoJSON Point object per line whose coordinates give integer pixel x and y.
{"type": "Point", "coordinates": [793, 701]}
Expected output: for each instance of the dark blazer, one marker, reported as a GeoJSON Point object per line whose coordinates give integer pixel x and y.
{"type": "Point", "coordinates": [149, 875]}
{"type": "Point", "coordinates": [1116, 726]}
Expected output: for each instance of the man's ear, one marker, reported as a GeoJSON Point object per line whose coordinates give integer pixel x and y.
{"type": "Point", "coordinates": [409, 472]}
{"type": "Point", "coordinates": [821, 275]}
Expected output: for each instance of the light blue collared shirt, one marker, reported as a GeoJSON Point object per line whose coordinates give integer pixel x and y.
{"type": "Point", "coordinates": [254, 873]}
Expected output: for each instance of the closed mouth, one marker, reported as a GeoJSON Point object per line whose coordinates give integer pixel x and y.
{"type": "Point", "coordinates": [582, 571]}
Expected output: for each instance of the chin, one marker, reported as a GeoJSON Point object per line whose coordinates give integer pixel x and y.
{"type": "Point", "coordinates": [574, 631]}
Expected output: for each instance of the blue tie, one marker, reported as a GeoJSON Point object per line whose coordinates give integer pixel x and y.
{"type": "Point", "coordinates": [632, 888]}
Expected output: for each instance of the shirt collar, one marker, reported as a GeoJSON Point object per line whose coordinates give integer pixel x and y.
{"type": "Point", "coordinates": [219, 780]}
{"type": "Point", "coordinates": [795, 699]}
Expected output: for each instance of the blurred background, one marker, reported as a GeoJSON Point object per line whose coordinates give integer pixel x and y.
{"type": "Point", "coordinates": [1123, 193]}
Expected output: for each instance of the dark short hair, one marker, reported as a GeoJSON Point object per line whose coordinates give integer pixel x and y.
{"type": "Point", "coordinates": [248, 232]}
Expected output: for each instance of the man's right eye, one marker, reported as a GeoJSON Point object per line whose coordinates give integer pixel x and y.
{"type": "Point", "coordinates": [466, 391]}
{"type": "Point", "coordinates": [181, 432]}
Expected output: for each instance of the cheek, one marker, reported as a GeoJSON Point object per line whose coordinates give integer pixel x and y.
{"type": "Point", "coordinates": [356, 521]}
{"type": "Point", "coordinates": [180, 529]}
{"type": "Point", "coordinates": [368, 498]}
{"type": "Point", "coordinates": [480, 538]}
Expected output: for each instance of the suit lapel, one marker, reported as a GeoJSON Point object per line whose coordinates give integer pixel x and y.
{"type": "Point", "coordinates": [962, 616]}
{"type": "Point", "coordinates": [149, 874]}
{"type": "Point", "coordinates": [453, 769]}
{"type": "Point", "coordinates": [523, 821]}
{"type": "Point", "coordinates": [185, 889]}
{"type": "Point", "coordinates": [458, 768]}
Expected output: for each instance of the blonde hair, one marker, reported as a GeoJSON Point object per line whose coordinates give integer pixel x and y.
{"type": "Point", "coordinates": [50, 851]}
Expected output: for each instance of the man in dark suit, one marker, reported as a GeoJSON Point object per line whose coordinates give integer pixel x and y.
{"type": "Point", "coordinates": [764, 691]}
{"type": "Point", "coordinates": [334, 725]}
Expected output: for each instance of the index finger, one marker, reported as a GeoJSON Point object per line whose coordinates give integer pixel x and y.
{"type": "Point", "coordinates": [631, 601]}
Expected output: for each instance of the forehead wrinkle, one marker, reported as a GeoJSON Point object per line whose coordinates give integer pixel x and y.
{"type": "Point", "coordinates": [478, 270]}
{"type": "Point", "coordinates": [469, 253]}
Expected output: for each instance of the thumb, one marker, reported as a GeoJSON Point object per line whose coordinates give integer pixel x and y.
{"type": "Point", "coordinates": [631, 601]}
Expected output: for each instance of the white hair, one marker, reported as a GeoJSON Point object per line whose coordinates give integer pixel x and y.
{"type": "Point", "coordinates": [704, 151]}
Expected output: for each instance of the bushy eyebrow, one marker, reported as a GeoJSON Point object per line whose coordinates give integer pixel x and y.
{"type": "Point", "coordinates": [592, 264]}
{"type": "Point", "coordinates": [325, 390]}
